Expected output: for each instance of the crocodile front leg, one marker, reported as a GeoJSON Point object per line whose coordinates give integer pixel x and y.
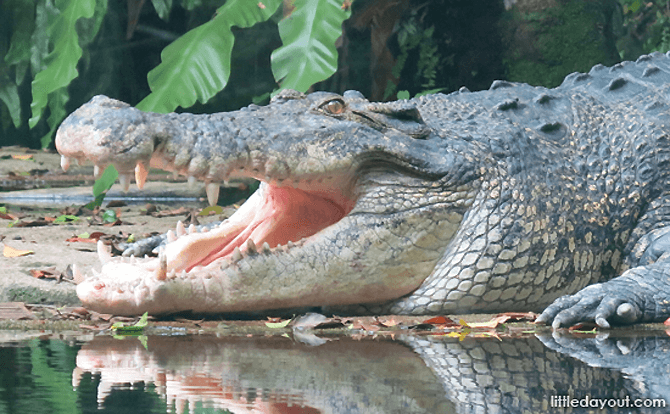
{"type": "Point", "coordinates": [641, 294]}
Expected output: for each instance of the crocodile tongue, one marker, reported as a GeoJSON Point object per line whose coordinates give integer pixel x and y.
{"type": "Point", "coordinates": [272, 215]}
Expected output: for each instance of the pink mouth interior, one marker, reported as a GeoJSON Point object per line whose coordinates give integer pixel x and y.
{"type": "Point", "coordinates": [284, 214]}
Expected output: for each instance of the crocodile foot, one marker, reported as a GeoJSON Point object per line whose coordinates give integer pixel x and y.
{"type": "Point", "coordinates": [624, 300]}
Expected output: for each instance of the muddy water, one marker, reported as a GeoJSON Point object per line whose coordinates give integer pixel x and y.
{"type": "Point", "coordinates": [408, 374]}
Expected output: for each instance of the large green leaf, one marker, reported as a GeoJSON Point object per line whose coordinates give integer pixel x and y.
{"type": "Point", "coordinates": [9, 94]}
{"type": "Point", "coordinates": [61, 63]}
{"type": "Point", "coordinates": [308, 34]}
{"type": "Point", "coordinates": [57, 112]}
{"type": "Point", "coordinates": [197, 65]}
{"type": "Point", "coordinates": [23, 16]}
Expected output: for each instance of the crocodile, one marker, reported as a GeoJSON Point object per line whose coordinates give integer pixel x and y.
{"type": "Point", "coordinates": [513, 198]}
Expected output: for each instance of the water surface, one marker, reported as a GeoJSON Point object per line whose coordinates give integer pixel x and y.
{"type": "Point", "coordinates": [407, 374]}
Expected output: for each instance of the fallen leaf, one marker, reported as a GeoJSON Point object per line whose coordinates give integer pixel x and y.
{"type": "Point", "coordinates": [121, 329]}
{"type": "Point", "coordinates": [361, 324]}
{"type": "Point", "coordinates": [440, 320]}
{"type": "Point", "coordinates": [9, 251]}
{"type": "Point", "coordinates": [22, 157]}
{"type": "Point", "coordinates": [74, 239]}
{"type": "Point", "coordinates": [87, 238]}
{"type": "Point", "coordinates": [387, 322]}
{"type": "Point", "coordinates": [48, 273]}
{"type": "Point", "coordinates": [310, 320]}
{"type": "Point", "coordinates": [8, 216]}
{"type": "Point", "coordinates": [667, 322]}
{"type": "Point", "coordinates": [584, 328]}
{"type": "Point", "coordinates": [278, 325]}
{"type": "Point", "coordinates": [517, 316]}
{"type": "Point", "coordinates": [211, 210]}
{"type": "Point", "coordinates": [35, 223]}
{"type": "Point", "coordinates": [177, 212]}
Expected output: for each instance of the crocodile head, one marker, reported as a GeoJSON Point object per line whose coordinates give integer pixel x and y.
{"type": "Point", "coordinates": [357, 203]}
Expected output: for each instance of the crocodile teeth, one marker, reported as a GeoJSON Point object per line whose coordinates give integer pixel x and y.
{"type": "Point", "coordinates": [124, 180]}
{"type": "Point", "coordinates": [104, 253]}
{"type": "Point", "coordinates": [97, 170]}
{"type": "Point", "coordinates": [192, 229]}
{"type": "Point", "coordinates": [191, 181]}
{"type": "Point", "coordinates": [132, 259]}
{"type": "Point", "coordinates": [251, 247]}
{"type": "Point", "coordinates": [141, 174]}
{"type": "Point", "coordinates": [64, 162]}
{"type": "Point", "coordinates": [161, 270]}
{"type": "Point", "coordinates": [237, 255]}
{"type": "Point", "coordinates": [290, 244]}
{"type": "Point", "coordinates": [181, 230]}
{"type": "Point", "coordinates": [265, 248]}
{"type": "Point", "coordinates": [171, 236]}
{"type": "Point", "coordinates": [76, 274]}
{"type": "Point", "coordinates": [172, 274]}
{"type": "Point", "coordinates": [212, 193]}
{"type": "Point", "coordinates": [204, 230]}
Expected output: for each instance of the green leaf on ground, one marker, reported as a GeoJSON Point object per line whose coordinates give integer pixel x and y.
{"type": "Point", "coordinates": [109, 216]}
{"type": "Point", "coordinates": [278, 325]}
{"type": "Point", "coordinates": [120, 328]}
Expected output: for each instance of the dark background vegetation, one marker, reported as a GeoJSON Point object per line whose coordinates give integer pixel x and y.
{"type": "Point", "coordinates": [389, 49]}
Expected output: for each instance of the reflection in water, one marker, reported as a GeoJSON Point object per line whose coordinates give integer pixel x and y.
{"type": "Point", "coordinates": [268, 375]}
{"type": "Point", "coordinates": [415, 374]}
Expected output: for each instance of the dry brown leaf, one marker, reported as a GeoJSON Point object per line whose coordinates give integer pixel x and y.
{"type": "Point", "coordinates": [387, 322]}
{"type": "Point", "coordinates": [441, 321]}
{"type": "Point", "coordinates": [48, 273]}
{"type": "Point", "coordinates": [9, 251]}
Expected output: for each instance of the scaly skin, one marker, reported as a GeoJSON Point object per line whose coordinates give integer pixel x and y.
{"type": "Point", "coordinates": [498, 200]}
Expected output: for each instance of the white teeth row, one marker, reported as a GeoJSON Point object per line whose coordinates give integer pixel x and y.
{"type": "Point", "coordinates": [251, 249]}
{"type": "Point", "coordinates": [181, 230]}
{"type": "Point", "coordinates": [161, 272]}
{"type": "Point", "coordinates": [141, 174]}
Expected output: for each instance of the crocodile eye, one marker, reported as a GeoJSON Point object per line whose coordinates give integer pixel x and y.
{"type": "Point", "coordinates": [334, 106]}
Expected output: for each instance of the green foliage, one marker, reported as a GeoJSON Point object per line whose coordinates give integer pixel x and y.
{"type": "Point", "coordinates": [411, 37]}
{"type": "Point", "coordinates": [60, 64]}
{"type": "Point", "coordinates": [197, 65]}
{"type": "Point", "coordinates": [308, 34]}
{"type": "Point", "coordinates": [647, 26]}
{"type": "Point", "coordinates": [47, 37]}
{"type": "Point", "coordinates": [101, 186]}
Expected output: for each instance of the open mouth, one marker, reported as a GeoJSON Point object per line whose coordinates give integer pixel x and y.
{"type": "Point", "coordinates": [273, 217]}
